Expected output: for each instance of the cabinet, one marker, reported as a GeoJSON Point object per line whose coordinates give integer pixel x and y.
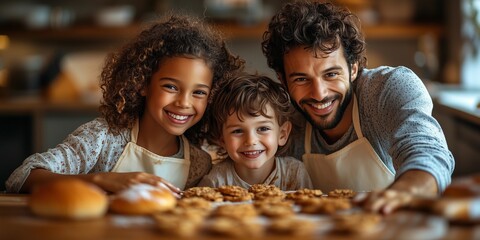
{"type": "Point", "coordinates": [31, 124]}
{"type": "Point", "coordinates": [462, 131]}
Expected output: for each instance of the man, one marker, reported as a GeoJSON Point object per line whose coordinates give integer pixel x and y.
{"type": "Point", "coordinates": [362, 129]}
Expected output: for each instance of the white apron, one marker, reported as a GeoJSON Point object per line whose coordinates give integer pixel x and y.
{"type": "Point", "coordinates": [138, 159]}
{"type": "Point", "coordinates": [356, 166]}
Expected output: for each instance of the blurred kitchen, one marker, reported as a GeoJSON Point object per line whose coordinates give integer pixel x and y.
{"type": "Point", "coordinates": [52, 51]}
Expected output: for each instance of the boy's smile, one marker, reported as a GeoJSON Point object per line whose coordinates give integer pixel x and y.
{"type": "Point", "coordinates": [252, 141]}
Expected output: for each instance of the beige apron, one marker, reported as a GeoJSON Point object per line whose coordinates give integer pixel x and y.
{"type": "Point", "coordinates": [138, 159]}
{"type": "Point", "coordinates": [356, 166]}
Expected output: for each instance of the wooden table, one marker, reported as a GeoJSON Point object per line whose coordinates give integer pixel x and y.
{"type": "Point", "coordinates": [17, 222]}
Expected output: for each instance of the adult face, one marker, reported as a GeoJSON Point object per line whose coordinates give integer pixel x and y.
{"type": "Point", "coordinates": [319, 86]}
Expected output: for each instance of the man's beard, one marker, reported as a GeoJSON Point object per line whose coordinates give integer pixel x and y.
{"type": "Point", "coordinates": [338, 115]}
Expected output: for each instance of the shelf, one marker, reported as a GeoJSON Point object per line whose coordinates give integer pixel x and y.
{"type": "Point", "coordinates": [230, 30]}
{"type": "Point", "coordinates": [241, 31]}
{"type": "Point", "coordinates": [84, 33]}
{"type": "Point", "coordinates": [30, 104]}
{"type": "Point", "coordinates": [403, 31]}
{"type": "Point", "coordinates": [94, 33]}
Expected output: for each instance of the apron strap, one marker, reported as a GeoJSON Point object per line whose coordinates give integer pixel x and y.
{"type": "Point", "coordinates": [356, 118]}
{"type": "Point", "coordinates": [134, 132]}
{"type": "Point", "coordinates": [186, 148]}
{"type": "Point", "coordinates": [308, 138]}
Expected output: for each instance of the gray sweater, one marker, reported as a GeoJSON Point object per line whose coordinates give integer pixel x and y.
{"type": "Point", "coordinates": [395, 111]}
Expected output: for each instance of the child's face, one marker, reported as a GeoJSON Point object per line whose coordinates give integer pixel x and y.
{"type": "Point", "coordinates": [177, 95]}
{"type": "Point", "coordinates": [253, 142]}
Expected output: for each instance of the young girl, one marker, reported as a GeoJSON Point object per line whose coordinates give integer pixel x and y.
{"type": "Point", "coordinates": [249, 122]}
{"type": "Point", "coordinates": [155, 89]}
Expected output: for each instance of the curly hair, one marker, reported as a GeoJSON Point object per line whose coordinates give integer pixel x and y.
{"type": "Point", "coordinates": [321, 27]}
{"type": "Point", "coordinates": [247, 95]}
{"type": "Point", "coordinates": [129, 70]}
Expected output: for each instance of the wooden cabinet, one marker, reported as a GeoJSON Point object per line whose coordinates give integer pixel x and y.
{"type": "Point", "coordinates": [462, 131]}
{"type": "Point", "coordinates": [30, 125]}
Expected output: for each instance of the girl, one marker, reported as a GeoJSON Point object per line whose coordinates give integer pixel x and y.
{"type": "Point", "coordinates": [250, 122]}
{"type": "Point", "coordinates": [155, 92]}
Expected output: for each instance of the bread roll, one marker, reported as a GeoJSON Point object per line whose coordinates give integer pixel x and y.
{"type": "Point", "coordinates": [140, 199]}
{"type": "Point", "coordinates": [468, 186]}
{"type": "Point", "coordinates": [458, 209]}
{"type": "Point", "coordinates": [70, 199]}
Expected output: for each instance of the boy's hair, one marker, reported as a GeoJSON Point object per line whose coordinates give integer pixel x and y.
{"type": "Point", "coordinates": [247, 95]}
{"type": "Point", "coordinates": [129, 70]}
{"type": "Point", "coordinates": [320, 27]}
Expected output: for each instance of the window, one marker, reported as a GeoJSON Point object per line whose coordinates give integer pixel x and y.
{"type": "Point", "coordinates": [470, 51]}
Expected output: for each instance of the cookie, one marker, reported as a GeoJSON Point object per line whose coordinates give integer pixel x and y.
{"type": "Point", "coordinates": [325, 205]}
{"type": "Point", "coordinates": [236, 211]}
{"type": "Point", "coordinates": [262, 191]}
{"type": "Point", "coordinates": [207, 193]}
{"type": "Point", "coordinates": [342, 193]}
{"type": "Point", "coordinates": [193, 207]}
{"type": "Point", "coordinates": [360, 222]}
{"type": "Point", "coordinates": [231, 227]}
{"type": "Point", "coordinates": [280, 209]}
{"type": "Point", "coordinates": [235, 193]}
{"type": "Point", "coordinates": [303, 194]}
{"type": "Point", "coordinates": [194, 203]}
{"type": "Point", "coordinates": [178, 223]}
{"type": "Point", "coordinates": [291, 227]}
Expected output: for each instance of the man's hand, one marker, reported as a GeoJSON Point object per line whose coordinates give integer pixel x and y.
{"type": "Point", "coordinates": [400, 194]}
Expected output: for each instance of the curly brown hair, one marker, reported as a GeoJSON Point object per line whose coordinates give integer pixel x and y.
{"type": "Point", "coordinates": [247, 95]}
{"type": "Point", "coordinates": [321, 27]}
{"type": "Point", "coordinates": [129, 70]}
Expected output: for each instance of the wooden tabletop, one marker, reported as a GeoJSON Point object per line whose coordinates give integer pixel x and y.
{"type": "Point", "coordinates": [17, 222]}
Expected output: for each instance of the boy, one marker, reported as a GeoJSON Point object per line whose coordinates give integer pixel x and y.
{"type": "Point", "coordinates": [249, 121]}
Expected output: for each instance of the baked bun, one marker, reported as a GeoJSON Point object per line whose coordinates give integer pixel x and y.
{"type": "Point", "coordinates": [140, 199]}
{"type": "Point", "coordinates": [458, 209]}
{"type": "Point", "coordinates": [70, 199]}
{"type": "Point", "coordinates": [464, 187]}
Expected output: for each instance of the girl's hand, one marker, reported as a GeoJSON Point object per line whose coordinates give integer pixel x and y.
{"type": "Point", "coordinates": [115, 182]}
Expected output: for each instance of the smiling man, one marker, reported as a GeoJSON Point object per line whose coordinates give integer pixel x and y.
{"type": "Point", "coordinates": [357, 128]}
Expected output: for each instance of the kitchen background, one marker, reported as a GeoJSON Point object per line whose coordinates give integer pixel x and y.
{"type": "Point", "coordinates": [52, 51]}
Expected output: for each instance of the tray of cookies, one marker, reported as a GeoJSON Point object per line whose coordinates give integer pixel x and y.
{"type": "Point", "coordinates": [259, 212]}
{"type": "Point", "coordinates": [233, 211]}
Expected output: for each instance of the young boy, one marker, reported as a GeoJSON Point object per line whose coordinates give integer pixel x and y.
{"type": "Point", "coordinates": [249, 122]}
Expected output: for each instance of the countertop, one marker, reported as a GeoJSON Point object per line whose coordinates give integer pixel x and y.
{"type": "Point", "coordinates": [456, 100]}
{"type": "Point", "coordinates": [17, 222]}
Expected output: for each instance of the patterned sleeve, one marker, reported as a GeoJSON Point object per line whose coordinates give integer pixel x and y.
{"type": "Point", "coordinates": [77, 154]}
{"type": "Point", "coordinates": [414, 137]}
